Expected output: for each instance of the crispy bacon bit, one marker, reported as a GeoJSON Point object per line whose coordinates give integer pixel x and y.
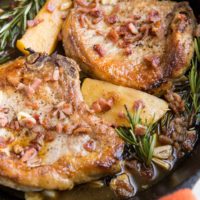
{"type": "Point", "coordinates": [29, 154]}
{"type": "Point", "coordinates": [138, 104]}
{"type": "Point", "coordinates": [132, 28]}
{"type": "Point", "coordinates": [102, 105]}
{"type": "Point", "coordinates": [153, 16]}
{"type": "Point", "coordinates": [83, 3]}
{"type": "Point", "coordinates": [98, 48]}
{"type": "Point", "coordinates": [113, 35]}
{"type": "Point", "coordinates": [50, 7]}
{"type": "Point", "coordinates": [123, 29]}
{"type": "Point", "coordinates": [34, 22]}
{"type": "Point", "coordinates": [56, 74]}
{"type": "Point", "coordinates": [97, 20]}
{"type": "Point", "coordinates": [82, 130]}
{"type": "Point", "coordinates": [49, 137]}
{"type": "Point", "coordinates": [90, 145]}
{"type": "Point", "coordinates": [82, 20]}
{"type": "Point", "coordinates": [3, 142]}
{"type": "Point", "coordinates": [3, 120]}
{"type": "Point", "coordinates": [112, 19]}
{"type": "Point", "coordinates": [128, 50]}
{"type": "Point", "coordinates": [152, 61]}
{"type": "Point", "coordinates": [140, 130]}
{"type": "Point", "coordinates": [59, 127]}
{"type": "Point", "coordinates": [32, 105]}
{"type": "Point", "coordinates": [26, 119]}
{"type": "Point", "coordinates": [96, 13]}
{"type": "Point", "coordinates": [36, 83]}
{"type": "Point", "coordinates": [67, 109]}
{"type": "Point", "coordinates": [121, 115]}
{"type": "Point", "coordinates": [136, 17]}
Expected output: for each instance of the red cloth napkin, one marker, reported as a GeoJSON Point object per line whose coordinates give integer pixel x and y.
{"type": "Point", "coordinates": [184, 194]}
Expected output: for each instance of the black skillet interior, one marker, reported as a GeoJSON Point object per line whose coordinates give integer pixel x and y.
{"type": "Point", "coordinates": [185, 174]}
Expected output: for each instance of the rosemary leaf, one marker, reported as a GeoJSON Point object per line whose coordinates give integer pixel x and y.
{"type": "Point", "coordinates": [143, 145]}
{"type": "Point", "coordinates": [13, 23]}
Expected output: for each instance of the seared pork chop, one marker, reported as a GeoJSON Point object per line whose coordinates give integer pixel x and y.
{"type": "Point", "coordinates": [136, 43]}
{"type": "Point", "coordinates": [49, 139]}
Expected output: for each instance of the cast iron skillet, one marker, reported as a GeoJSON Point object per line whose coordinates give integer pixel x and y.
{"type": "Point", "coordinates": [184, 175]}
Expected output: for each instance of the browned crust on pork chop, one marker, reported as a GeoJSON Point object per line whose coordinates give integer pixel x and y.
{"type": "Point", "coordinates": [49, 139]}
{"type": "Point", "coordinates": [136, 43]}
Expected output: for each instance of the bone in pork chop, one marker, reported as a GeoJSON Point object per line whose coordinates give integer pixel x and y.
{"type": "Point", "coordinates": [141, 44]}
{"type": "Point", "coordinates": [49, 139]}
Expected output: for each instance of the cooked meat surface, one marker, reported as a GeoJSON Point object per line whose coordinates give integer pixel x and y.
{"type": "Point", "coordinates": [141, 44]}
{"type": "Point", "coordinates": [49, 139]}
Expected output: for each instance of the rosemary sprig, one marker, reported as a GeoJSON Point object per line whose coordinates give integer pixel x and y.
{"type": "Point", "coordinates": [13, 23]}
{"type": "Point", "coordinates": [194, 79]}
{"type": "Point", "coordinates": [143, 145]}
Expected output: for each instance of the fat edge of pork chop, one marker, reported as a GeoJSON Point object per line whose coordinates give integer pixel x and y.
{"type": "Point", "coordinates": [49, 139]}
{"type": "Point", "coordinates": [143, 44]}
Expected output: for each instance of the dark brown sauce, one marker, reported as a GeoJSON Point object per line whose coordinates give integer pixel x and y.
{"type": "Point", "coordinates": [87, 192]}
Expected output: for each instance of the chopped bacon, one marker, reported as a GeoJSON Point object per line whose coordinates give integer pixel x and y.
{"type": "Point", "coordinates": [152, 61]}
{"type": "Point", "coordinates": [82, 130]}
{"type": "Point", "coordinates": [3, 142]}
{"type": "Point", "coordinates": [96, 13]}
{"type": "Point", "coordinates": [153, 16]}
{"type": "Point", "coordinates": [67, 109]}
{"type": "Point", "coordinates": [136, 17]}
{"type": "Point", "coordinates": [140, 130]}
{"type": "Point", "coordinates": [138, 104]}
{"type": "Point", "coordinates": [32, 105]}
{"type": "Point", "coordinates": [123, 29]}
{"type": "Point", "coordinates": [83, 3]}
{"type": "Point", "coordinates": [89, 145]}
{"type": "Point", "coordinates": [112, 19]}
{"type": "Point", "coordinates": [59, 127]}
{"type": "Point", "coordinates": [29, 154]}
{"type": "Point", "coordinates": [34, 22]}
{"type": "Point", "coordinates": [102, 105]}
{"type": "Point", "coordinates": [3, 120]}
{"type": "Point", "coordinates": [56, 74]}
{"type": "Point", "coordinates": [132, 28]}
{"type": "Point", "coordinates": [49, 136]}
{"type": "Point", "coordinates": [121, 115]}
{"type": "Point", "coordinates": [36, 83]}
{"type": "Point", "coordinates": [113, 35]}
{"type": "Point", "coordinates": [50, 7]}
{"type": "Point", "coordinates": [99, 49]}
{"type": "Point", "coordinates": [128, 50]}
{"type": "Point", "coordinates": [82, 20]}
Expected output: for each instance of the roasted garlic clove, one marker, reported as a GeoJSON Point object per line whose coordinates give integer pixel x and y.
{"type": "Point", "coordinates": [163, 152]}
{"type": "Point", "coordinates": [161, 163]}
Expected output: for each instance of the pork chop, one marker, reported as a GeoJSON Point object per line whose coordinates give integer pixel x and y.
{"type": "Point", "coordinates": [49, 139]}
{"type": "Point", "coordinates": [136, 43]}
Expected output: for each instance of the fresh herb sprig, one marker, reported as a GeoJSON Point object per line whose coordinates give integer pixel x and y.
{"type": "Point", "coordinates": [194, 79]}
{"type": "Point", "coordinates": [143, 145]}
{"type": "Point", "coordinates": [13, 23]}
